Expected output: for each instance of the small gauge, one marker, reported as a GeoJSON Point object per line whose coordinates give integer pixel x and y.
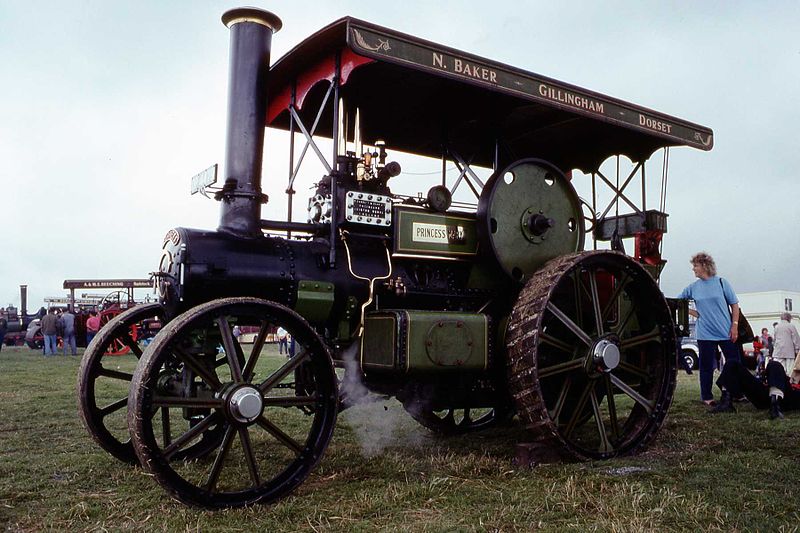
{"type": "Point", "coordinates": [439, 198]}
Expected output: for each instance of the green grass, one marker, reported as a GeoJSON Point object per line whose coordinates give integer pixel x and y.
{"type": "Point", "coordinates": [725, 472]}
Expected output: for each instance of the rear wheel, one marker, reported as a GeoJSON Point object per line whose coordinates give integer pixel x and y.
{"type": "Point", "coordinates": [279, 414]}
{"type": "Point", "coordinates": [592, 356]}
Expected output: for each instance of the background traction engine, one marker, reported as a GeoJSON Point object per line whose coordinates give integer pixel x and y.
{"type": "Point", "coordinates": [465, 317]}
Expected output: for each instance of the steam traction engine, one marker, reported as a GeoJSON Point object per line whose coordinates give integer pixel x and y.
{"type": "Point", "coordinates": [466, 313]}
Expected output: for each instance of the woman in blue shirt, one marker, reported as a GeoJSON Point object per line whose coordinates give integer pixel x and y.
{"type": "Point", "coordinates": [717, 313]}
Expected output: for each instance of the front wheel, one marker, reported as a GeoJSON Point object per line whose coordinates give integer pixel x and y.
{"type": "Point", "coordinates": [278, 414]}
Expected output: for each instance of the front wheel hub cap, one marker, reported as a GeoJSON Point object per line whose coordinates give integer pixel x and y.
{"type": "Point", "coordinates": [606, 355]}
{"type": "Point", "coordinates": [246, 404]}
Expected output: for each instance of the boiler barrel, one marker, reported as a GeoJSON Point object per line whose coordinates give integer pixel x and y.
{"type": "Point", "coordinates": [198, 266]}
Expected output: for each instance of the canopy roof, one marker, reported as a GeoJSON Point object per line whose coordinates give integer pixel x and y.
{"type": "Point", "coordinates": [419, 96]}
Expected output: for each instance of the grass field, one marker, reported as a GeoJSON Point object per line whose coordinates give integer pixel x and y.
{"type": "Point", "coordinates": [725, 472]}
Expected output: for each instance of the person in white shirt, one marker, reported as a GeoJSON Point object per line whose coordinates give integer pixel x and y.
{"type": "Point", "coordinates": [787, 343]}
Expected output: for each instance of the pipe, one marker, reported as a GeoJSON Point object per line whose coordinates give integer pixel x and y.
{"type": "Point", "coordinates": [23, 296]}
{"type": "Point", "coordinates": [251, 41]}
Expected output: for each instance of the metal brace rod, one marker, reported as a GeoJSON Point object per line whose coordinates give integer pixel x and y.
{"type": "Point", "coordinates": [310, 140]}
{"type": "Point", "coordinates": [618, 193]}
{"type": "Point", "coordinates": [458, 181]}
{"type": "Point", "coordinates": [466, 180]}
{"type": "Point", "coordinates": [458, 159]}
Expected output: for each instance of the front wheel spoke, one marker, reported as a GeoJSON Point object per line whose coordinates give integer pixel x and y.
{"type": "Point", "coordinates": [576, 414]}
{"type": "Point", "coordinates": [290, 401]}
{"type": "Point", "coordinates": [569, 323]}
{"type": "Point", "coordinates": [247, 448]}
{"type": "Point", "coordinates": [598, 318]}
{"type": "Point", "coordinates": [231, 352]}
{"type": "Point", "coordinates": [640, 339]}
{"type": "Point", "coordinates": [132, 344]}
{"type": "Point", "coordinates": [198, 368]}
{"type": "Point", "coordinates": [612, 408]}
{"type": "Point", "coordinates": [560, 368]}
{"type": "Point", "coordinates": [166, 428]}
{"type": "Point", "coordinates": [112, 407]}
{"type": "Point", "coordinates": [648, 405]}
{"type": "Point", "coordinates": [189, 435]}
{"type": "Point", "coordinates": [115, 374]}
{"type": "Point", "coordinates": [177, 401]}
{"type": "Point", "coordinates": [561, 345]}
{"type": "Point", "coordinates": [219, 460]}
{"type": "Point", "coordinates": [283, 371]}
{"type": "Point", "coordinates": [605, 445]}
{"type": "Point", "coordinates": [258, 345]}
{"type": "Point", "coordinates": [282, 437]}
{"type": "Point", "coordinates": [466, 421]}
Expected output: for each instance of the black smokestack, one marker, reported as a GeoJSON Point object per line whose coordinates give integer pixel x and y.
{"type": "Point", "coordinates": [251, 42]}
{"type": "Point", "coordinates": [23, 297]}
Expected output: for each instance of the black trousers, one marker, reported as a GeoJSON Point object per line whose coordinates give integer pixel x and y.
{"type": "Point", "coordinates": [739, 381]}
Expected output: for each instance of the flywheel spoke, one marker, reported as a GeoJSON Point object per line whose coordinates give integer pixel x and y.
{"type": "Point", "coordinates": [569, 323]}
{"type": "Point", "coordinates": [638, 398]}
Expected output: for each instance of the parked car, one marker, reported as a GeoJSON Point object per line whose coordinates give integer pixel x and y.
{"type": "Point", "coordinates": [690, 352]}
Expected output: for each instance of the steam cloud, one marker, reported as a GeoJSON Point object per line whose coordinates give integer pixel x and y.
{"type": "Point", "coordinates": [378, 424]}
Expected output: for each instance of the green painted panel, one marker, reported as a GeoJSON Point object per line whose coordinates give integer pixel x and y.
{"type": "Point", "coordinates": [314, 300]}
{"type": "Point", "coordinates": [379, 342]}
{"type": "Point", "coordinates": [425, 341]}
{"type": "Point", "coordinates": [426, 233]}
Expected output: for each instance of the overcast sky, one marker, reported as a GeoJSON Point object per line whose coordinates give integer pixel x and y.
{"type": "Point", "coordinates": [108, 108]}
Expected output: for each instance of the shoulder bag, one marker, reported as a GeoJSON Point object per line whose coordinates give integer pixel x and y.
{"type": "Point", "coordinates": [744, 330]}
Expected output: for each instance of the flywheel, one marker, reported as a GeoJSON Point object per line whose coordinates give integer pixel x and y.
{"type": "Point", "coordinates": [528, 214]}
{"type": "Point", "coordinates": [592, 356]}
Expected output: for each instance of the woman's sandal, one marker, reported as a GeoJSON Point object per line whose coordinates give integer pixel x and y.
{"type": "Point", "coordinates": [710, 403]}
